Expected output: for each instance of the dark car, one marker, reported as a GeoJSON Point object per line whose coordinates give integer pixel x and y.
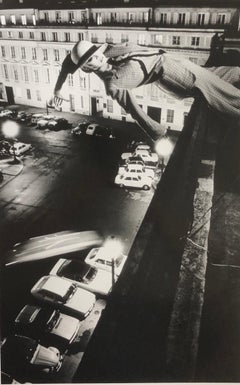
{"type": "Point", "coordinates": [48, 325]}
{"type": "Point", "coordinates": [59, 124]}
{"type": "Point", "coordinates": [21, 355]}
{"type": "Point", "coordinates": [98, 131]}
{"type": "Point", "coordinates": [80, 128]}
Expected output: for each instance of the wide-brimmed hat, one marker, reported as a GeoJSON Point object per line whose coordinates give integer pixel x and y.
{"type": "Point", "coordinates": [83, 50]}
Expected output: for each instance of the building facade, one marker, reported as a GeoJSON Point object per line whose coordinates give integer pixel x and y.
{"type": "Point", "coordinates": [34, 42]}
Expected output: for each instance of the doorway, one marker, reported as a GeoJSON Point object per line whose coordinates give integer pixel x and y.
{"type": "Point", "coordinates": [154, 113]}
{"type": "Point", "coordinates": [10, 96]}
{"type": "Point", "coordinates": [94, 106]}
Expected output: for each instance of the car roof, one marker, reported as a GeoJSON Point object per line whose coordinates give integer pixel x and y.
{"type": "Point", "coordinates": [56, 285]}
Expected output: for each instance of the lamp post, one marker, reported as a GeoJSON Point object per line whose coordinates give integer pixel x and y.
{"type": "Point", "coordinates": [164, 148]}
{"type": "Point", "coordinates": [113, 247]}
{"type": "Point", "coordinates": [10, 130]}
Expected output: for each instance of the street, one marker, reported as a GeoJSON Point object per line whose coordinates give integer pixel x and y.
{"type": "Point", "coordinates": [66, 183]}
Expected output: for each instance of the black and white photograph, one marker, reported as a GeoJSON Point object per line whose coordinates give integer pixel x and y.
{"type": "Point", "coordinates": [120, 191]}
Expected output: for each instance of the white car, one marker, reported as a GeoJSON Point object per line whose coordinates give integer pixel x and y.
{"type": "Point", "coordinates": [64, 294]}
{"type": "Point", "coordinates": [145, 155]}
{"type": "Point", "coordinates": [42, 123]}
{"type": "Point", "coordinates": [130, 180]}
{"type": "Point", "coordinates": [47, 325]}
{"type": "Point", "coordinates": [136, 169]}
{"type": "Point", "coordinates": [4, 113]}
{"type": "Point", "coordinates": [83, 275]}
{"type": "Point", "coordinates": [100, 258]}
{"type": "Point", "coordinates": [20, 148]}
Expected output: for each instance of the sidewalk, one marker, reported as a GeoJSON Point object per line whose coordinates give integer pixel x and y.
{"type": "Point", "coordinates": [9, 170]}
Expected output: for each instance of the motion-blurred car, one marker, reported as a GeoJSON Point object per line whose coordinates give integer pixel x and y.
{"type": "Point", "coordinates": [23, 117]}
{"type": "Point", "coordinates": [20, 354]}
{"type": "Point", "coordinates": [35, 118]}
{"type": "Point", "coordinates": [47, 325]}
{"type": "Point", "coordinates": [136, 181]}
{"type": "Point", "coordinates": [85, 276]}
{"type": "Point", "coordinates": [101, 258]}
{"type": "Point", "coordinates": [136, 169]}
{"type": "Point", "coordinates": [64, 294]}
{"type": "Point", "coordinates": [42, 123]}
{"type": "Point", "coordinates": [19, 148]}
{"type": "Point", "coordinates": [58, 124]}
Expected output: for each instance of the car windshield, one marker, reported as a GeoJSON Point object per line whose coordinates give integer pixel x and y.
{"type": "Point", "coordinates": [77, 271]}
{"type": "Point", "coordinates": [69, 293]}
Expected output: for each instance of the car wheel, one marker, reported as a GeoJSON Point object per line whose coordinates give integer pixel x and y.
{"type": "Point", "coordinates": [146, 187]}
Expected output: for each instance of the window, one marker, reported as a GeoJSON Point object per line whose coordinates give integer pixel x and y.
{"type": "Point", "coordinates": [98, 18]}
{"type": "Point", "coordinates": [181, 18]}
{"type": "Point", "coordinates": [201, 18]}
{"type": "Point", "coordinates": [38, 94]}
{"type": "Point", "coordinates": [72, 102]}
{"type": "Point", "coordinates": [25, 72]}
{"type": "Point", "coordinates": [3, 51]}
{"type": "Point", "coordinates": [10, 34]}
{"type": "Point", "coordinates": [34, 53]}
{"type": "Point", "coordinates": [109, 105]}
{"type": "Point", "coordinates": [163, 18]}
{"type": "Point", "coordinates": [46, 16]}
{"type": "Point", "coordinates": [23, 52]}
{"type": "Point", "coordinates": [31, 35]}
{"type": "Point", "coordinates": [43, 36]}
{"type": "Point", "coordinates": [45, 54]}
{"type": "Point", "coordinates": [1, 35]}
{"type": "Point", "coordinates": [141, 39]}
{"type": "Point", "coordinates": [124, 38]}
{"type": "Point", "coordinates": [176, 40]}
{"type": "Point", "coordinates": [70, 80]}
{"type": "Point", "coordinates": [158, 39]}
{"type": "Point", "coordinates": [20, 35]}
{"type": "Point", "coordinates": [195, 40]}
{"type": "Point", "coordinates": [94, 38]}
{"type": "Point", "coordinates": [15, 74]}
{"type": "Point", "coordinates": [71, 17]}
{"type": "Point", "coordinates": [109, 38]}
{"type": "Point", "coordinates": [3, 20]}
{"type": "Point", "coordinates": [5, 71]}
{"type": "Point", "coordinates": [81, 101]}
{"type": "Point", "coordinates": [55, 36]}
{"type": "Point", "coordinates": [56, 54]}
{"type": "Point", "coordinates": [13, 19]}
{"type": "Point", "coordinates": [28, 93]}
{"type": "Point", "coordinates": [34, 19]}
{"type": "Point", "coordinates": [221, 18]}
{"type": "Point", "coordinates": [170, 116]}
{"type": "Point", "coordinates": [67, 36]}
{"type": "Point", "coordinates": [58, 17]}
{"type": "Point", "coordinates": [154, 92]}
{"type": "Point", "coordinates": [13, 53]}
{"type": "Point", "coordinates": [47, 75]}
{"type": "Point", "coordinates": [36, 76]}
{"type": "Point", "coordinates": [82, 81]}
{"type": "Point", "coordinates": [80, 36]}
{"type": "Point", "coordinates": [24, 19]}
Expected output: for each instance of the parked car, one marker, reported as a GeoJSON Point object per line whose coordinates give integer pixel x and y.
{"type": "Point", "coordinates": [137, 181]}
{"type": "Point", "coordinates": [64, 294]}
{"type": "Point", "coordinates": [145, 155]}
{"type": "Point", "coordinates": [42, 123]}
{"type": "Point", "coordinates": [83, 275]}
{"type": "Point", "coordinates": [19, 354]}
{"type": "Point", "coordinates": [96, 130]}
{"type": "Point", "coordinates": [100, 258]}
{"type": "Point", "coordinates": [59, 124]}
{"type": "Point", "coordinates": [6, 113]}
{"type": "Point", "coordinates": [4, 149]}
{"type": "Point", "coordinates": [137, 169]}
{"type": "Point", "coordinates": [138, 145]}
{"type": "Point", "coordinates": [20, 148]}
{"type": "Point", "coordinates": [23, 117]}
{"type": "Point", "coordinates": [48, 325]}
{"type": "Point", "coordinates": [35, 118]}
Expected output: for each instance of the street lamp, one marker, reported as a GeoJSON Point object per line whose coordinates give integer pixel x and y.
{"type": "Point", "coordinates": [113, 247]}
{"type": "Point", "coordinates": [164, 148]}
{"type": "Point", "coordinates": [10, 130]}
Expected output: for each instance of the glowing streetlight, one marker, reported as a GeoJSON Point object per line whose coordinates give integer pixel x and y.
{"type": "Point", "coordinates": [113, 247]}
{"type": "Point", "coordinates": [164, 148]}
{"type": "Point", "coordinates": [10, 130]}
